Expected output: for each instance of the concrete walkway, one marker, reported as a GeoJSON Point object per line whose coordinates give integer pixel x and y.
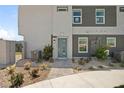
{"type": "Point", "coordinates": [92, 79]}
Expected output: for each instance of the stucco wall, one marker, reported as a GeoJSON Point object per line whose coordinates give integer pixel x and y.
{"type": "Point", "coordinates": [62, 27]}
{"type": "Point", "coordinates": [35, 25]}
{"type": "Point", "coordinates": [38, 23]}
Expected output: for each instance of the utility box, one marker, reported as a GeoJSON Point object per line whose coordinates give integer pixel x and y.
{"type": "Point", "coordinates": [36, 54]}
{"type": "Point", "coordinates": [119, 56]}
{"type": "Point", "coordinates": [122, 56]}
{"type": "Point", "coordinates": [7, 52]}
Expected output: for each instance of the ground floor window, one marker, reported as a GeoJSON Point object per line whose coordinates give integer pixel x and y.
{"type": "Point", "coordinates": [111, 41]}
{"type": "Point", "coordinates": [82, 44]}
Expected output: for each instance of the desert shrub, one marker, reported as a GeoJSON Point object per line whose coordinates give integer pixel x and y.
{"type": "Point", "coordinates": [27, 66]}
{"type": "Point", "coordinates": [77, 68]}
{"type": "Point", "coordinates": [11, 69]}
{"type": "Point", "coordinates": [81, 61]}
{"type": "Point", "coordinates": [34, 73]}
{"type": "Point", "coordinates": [101, 53]}
{"type": "Point", "coordinates": [16, 79]}
{"type": "Point", "coordinates": [87, 60]}
{"type": "Point", "coordinates": [43, 67]}
{"type": "Point", "coordinates": [47, 52]}
{"type": "Point", "coordinates": [120, 86]}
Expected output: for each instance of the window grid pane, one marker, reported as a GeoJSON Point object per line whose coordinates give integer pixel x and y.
{"type": "Point", "coordinates": [100, 16]}
{"type": "Point", "coordinates": [111, 41]}
{"type": "Point", "coordinates": [76, 13]}
{"type": "Point", "coordinates": [77, 16]}
{"type": "Point", "coordinates": [82, 45]}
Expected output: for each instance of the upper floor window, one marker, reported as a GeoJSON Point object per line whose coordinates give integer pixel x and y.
{"type": "Point", "coordinates": [77, 16]}
{"type": "Point", "coordinates": [100, 16]}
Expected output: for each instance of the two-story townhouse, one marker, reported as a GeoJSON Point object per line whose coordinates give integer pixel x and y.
{"type": "Point", "coordinates": [73, 31]}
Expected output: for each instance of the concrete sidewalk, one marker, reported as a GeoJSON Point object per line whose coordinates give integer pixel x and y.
{"type": "Point", "coordinates": [92, 79]}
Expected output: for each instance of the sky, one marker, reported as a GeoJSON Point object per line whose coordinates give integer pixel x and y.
{"type": "Point", "coordinates": [9, 22]}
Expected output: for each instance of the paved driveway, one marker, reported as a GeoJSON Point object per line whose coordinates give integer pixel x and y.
{"type": "Point", "coordinates": [92, 79]}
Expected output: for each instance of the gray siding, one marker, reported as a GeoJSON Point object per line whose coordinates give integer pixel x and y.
{"type": "Point", "coordinates": [88, 15]}
{"type": "Point", "coordinates": [100, 40]}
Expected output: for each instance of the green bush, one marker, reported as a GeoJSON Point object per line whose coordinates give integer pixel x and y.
{"type": "Point", "coordinates": [47, 52]}
{"type": "Point", "coordinates": [16, 80]}
{"type": "Point", "coordinates": [101, 54]}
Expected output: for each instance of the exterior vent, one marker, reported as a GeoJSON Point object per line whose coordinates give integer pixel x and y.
{"type": "Point", "coordinates": [121, 9]}
{"type": "Point", "coordinates": [62, 8]}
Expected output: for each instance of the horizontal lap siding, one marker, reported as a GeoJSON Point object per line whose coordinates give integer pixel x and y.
{"type": "Point", "coordinates": [88, 16]}
{"type": "Point", "coordinates": [102, 38]}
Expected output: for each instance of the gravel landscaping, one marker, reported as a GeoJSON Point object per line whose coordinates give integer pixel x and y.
{"type": "Point", "coordinates": [4, 81]}
{"type": "Point", "coordinates": [58, 68]}
{"type": "Point", "coordinates": [95, 64]}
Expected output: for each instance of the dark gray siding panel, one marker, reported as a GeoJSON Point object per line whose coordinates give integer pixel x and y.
{"type": "Point", "coordinates": [96, 41]}
{"type": "Point", "coordinates": [88, 15]}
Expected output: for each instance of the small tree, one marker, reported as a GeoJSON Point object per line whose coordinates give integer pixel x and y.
{"type": "Point", "coordinates": [19, 47]}
{"type": "Point", "coordinates": [47, 52]}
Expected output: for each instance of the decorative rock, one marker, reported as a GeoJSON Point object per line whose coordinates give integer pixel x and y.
{"type": "Point", "coordinates": [103, 67]}
{"type": "Point", "coordinates": [93, 68]}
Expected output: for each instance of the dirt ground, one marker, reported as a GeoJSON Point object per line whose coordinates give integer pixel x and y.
{"type": "Point", "coordinates": [4, 77]}
{"type": "Point", "coordinates": [57, 69]}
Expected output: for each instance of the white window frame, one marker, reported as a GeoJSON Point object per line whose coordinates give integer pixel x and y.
{"type": "Point", "coordinates": [100, 16]}
{"type": "Point", "coordinates": [114, 38]}
{"type": "Point", "coordinates": [79, 38]}
{"type": "Point", "coordinates": [80, 10]}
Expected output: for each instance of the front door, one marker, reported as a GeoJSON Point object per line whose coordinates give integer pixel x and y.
{"type": "Point", "coordinates": [62, 47]}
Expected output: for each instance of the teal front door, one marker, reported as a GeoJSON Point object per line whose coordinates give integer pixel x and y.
{"type": "Point", "coordinates": [62, 47]}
